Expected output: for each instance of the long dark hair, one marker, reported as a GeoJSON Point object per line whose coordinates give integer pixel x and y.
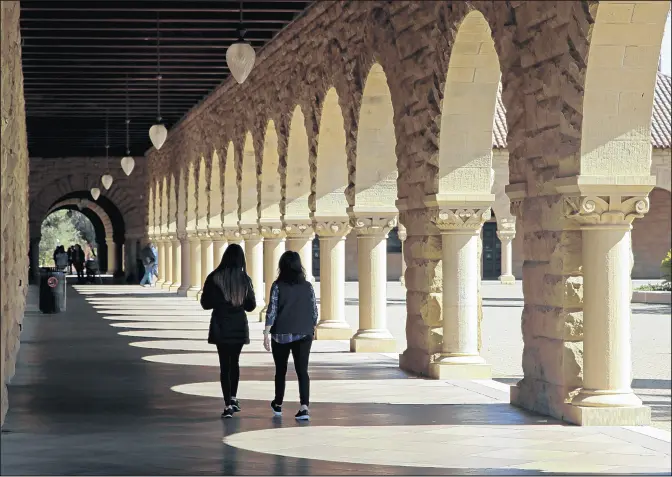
{"type": "Point", "coordinates": [290, 270]}
{"type": "Point", "coordinates": [231, 275]}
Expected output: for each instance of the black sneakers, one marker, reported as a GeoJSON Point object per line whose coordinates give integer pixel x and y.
{"type": "Point", "coordinates": [277, 408]}
{"type": "Point", "coordinates": [302, 415]}
{"type": "Point", "coordinates": [235, 404]}
{"type": "Point", "coordinates": [228, 413]}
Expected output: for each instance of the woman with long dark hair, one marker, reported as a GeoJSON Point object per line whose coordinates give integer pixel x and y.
{"type": "Point", "coordinates": [290, 320]}
{"type": "Point", "coordinates": [229, 294]}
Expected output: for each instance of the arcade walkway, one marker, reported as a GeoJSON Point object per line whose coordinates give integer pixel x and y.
{"type": "Point", "coordinates": [107, 389]}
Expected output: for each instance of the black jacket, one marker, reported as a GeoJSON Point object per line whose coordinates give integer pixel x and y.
{"type": "Point", "coordinates": [296, 310]}
{"type": "Point", "coordinates": [228, 323]}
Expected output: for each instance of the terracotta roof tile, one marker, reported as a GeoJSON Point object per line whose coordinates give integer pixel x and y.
{"type": "Point", "coordinates": [661, 130]}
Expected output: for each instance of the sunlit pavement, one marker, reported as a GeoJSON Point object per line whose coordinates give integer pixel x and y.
{"type": "Point", "coordinates": [124, 383]}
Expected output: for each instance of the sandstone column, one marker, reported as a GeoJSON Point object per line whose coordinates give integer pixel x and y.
{"type": "Point", "coordinates": [194, 265]}
{"type": "Point", "coordinates": [300, 239]}
{"type": "Point", "coordinates": [218, 247]}
{"type": "Point", "coordinates": [131, 257]}
{"type": "Point", "coordinates": [401, 232]}
{"type": "Point", "coordinates": [168, 262]}
{"type": "Point", "coordinates": [176, 275]}
{"type": "Point", "coordinates": [185, 268]}
{"type": "Point", "coordinates": [606, 223]}
{"type": "Point", "coordinates": [254, 258]}
{"type": "Point", "coordinates": [161, 250]}
{"type": "Point", "coordinates": [332, 324]}
{"type": "Point", "coordinates": [233, 235]}
{"type": "Point", "coordinates": [506, 234]}
{"type": "Point", "coordinates": [34, 259]}
{"type": "Point", "coordinates": [274, 247]}
{"type": "Point", "coordinates": [206, 259]}
{"type": "Point", "coordinates": [460, 229]}
{"type": "Point", "coordinates": [111, 256]}
{"type": "Point", "coordinates": [373, 335]}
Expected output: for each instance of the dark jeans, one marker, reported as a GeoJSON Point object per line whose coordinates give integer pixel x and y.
{"type": "Point", "coordinates": [300, 352]}
{"type": "Point", "coordinates": [229, 369]}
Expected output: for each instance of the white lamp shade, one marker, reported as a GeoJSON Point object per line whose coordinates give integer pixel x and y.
{"type": "Point", "coordinates": [240, 60]}
{"type": "Point", "coordinates": [95, 193]}
{"type": "Point", "coordinates": [127, 164]}
{"type": "Point", "coordinates": [158, 134]}
{"type": "Point", "coordinates": [107, 181]}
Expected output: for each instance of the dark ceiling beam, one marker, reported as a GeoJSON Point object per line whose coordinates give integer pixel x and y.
{"type": "Point", "coordinates": [28, 8]}
{"type": "Point", "coordinates": [140, 38]}
{"type": "Point", "coordinates": [151, 61]}
{"type": "Point", "coordinates": [247, 22]}
{"type": "Point", "coordinates": [28, 46]}
{"type": "Point", "coordinates": [152, 29]}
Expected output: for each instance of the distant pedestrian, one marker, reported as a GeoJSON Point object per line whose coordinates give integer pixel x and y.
{"type": "Point", "coordinates": [60, 258]}
{"type": "Point", "coordinates": [291, 319]}
{"type": "Point", "coordinates": [149, 258]}
{"type": "Point", "coordinates": [78, 258]}
{"type": "Point", "coordinates": [228, 292]}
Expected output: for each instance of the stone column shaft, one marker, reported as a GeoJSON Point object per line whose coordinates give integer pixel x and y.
{"type": "Point", "coordinates": [274, 247]}
{"type": "Point", "coordinates": [460, 231]}
{"type": "Point", "coordinates": [401, 232]}
{"type": "Point", "coordinates": [506, 234]}
{"type": "Point", "coordinates": [194, 266]}
{"type": "Point", "coordinates": [219, 245]}
{"type": "Point", "coordinates": [254, 258]}
{"type": "Point", "coordinates": [185, 268]}
{"type": "Point", "coordinates": [168, 264]}
{"type": "Point", "coordinates": [176, 275]}
{"type": "Point", "coordinates": [332, 324]}
{"type": "Point", "coordinates": [373, 335]}
{"type": "Point", "coordinates": [206, 260]}
{"type": "Point", "coordinates": [111, 256]}
{"type": "Point", "coordinates": [161, 251]}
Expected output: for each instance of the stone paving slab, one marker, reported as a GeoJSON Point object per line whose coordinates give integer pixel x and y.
{"type": "Point", "coordinates": [93, 397]}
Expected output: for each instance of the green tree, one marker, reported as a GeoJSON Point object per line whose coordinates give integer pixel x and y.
{"type": "Point", "coordinates": [64, 227]}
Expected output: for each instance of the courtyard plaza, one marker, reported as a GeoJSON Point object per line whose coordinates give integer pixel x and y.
{"type": "Point", "coordinates": [124, 383]}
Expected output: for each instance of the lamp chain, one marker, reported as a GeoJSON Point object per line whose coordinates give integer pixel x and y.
{"type": "Point", "coordinates": [128, 121]}
{"type": "Point", "coordinates": [158, 69]}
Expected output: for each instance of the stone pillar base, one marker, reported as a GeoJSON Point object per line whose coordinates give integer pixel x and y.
{"type": "Point", "coordinates": [257, 315]}
{"type": "Point", "coordinates": [333, 331]}
{"type": "Point", "coordinates": [607, 416]}
{"type": "Point", "coordinates": [182, 291]}
{"type": "Point", "coordinates": [175, 287]}
{"type": "Point", "coordinates": [415, 361]}
{"type": "Point", "coordinates": [507, 279]}
{"type": "Point", "coordinates": [447, 370]}
{"type": "Point", "coordinates": [373, 341]}
{"type": "Point", "coordinates": [198, 295]}
{"type": "Point", "coordinates": [166, 285]}
{"type": "Point", "coordinates": [193, 291]}
{"type": "Point", "coordinates": [159, 283]}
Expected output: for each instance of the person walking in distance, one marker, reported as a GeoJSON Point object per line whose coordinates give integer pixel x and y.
{"type": "Point", "coordinates": [228, 292]}
{"type": "Point", "coordinates": [291, 319]}
{"type": "Point", "coordinates": [78, 258]}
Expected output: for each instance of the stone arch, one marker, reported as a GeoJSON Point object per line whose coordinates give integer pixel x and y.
{"type": "Point", "coordinates": [331, 175]}
{"type": "Point", "coordinates": [165, 211]}
{"type": "Point", "coordinates": [375, 177]}
{"type": "Point", "coordinates": [651, 236]}
{"type": "Point", "coordinates": [215, 209]}
{"type": "Point", "coordinates": [192, 198]}
{"type": "Point", "coordinates": [203, 192]}
{"type": "Point", "coordinates": [181, 210]}
{"type": "Point", "coordinates": [230, 210]}
{"type": "Point", "coordinates": [81, 204]}
{"type": "Point", "coordinates": [619, 87]}
{"type": "Point", "coordinates": [468, 108]}
{"type": "Point", "coordinates": [248, 183]}
{"type": "Point", "coordinates": [271, 188]}
{"type": "Point", "coordinates": [173, 212]}
{"type": "Point", "coordinates": [297, 176]}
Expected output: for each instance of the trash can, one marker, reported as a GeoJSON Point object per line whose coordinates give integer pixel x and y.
{"type": "Point", "coordinates": [52, 290]}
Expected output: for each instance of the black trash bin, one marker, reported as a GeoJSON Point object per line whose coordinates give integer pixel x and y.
{"type": "Point", "coordinates": [52, 290]}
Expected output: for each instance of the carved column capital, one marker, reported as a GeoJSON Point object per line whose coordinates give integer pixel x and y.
{"type": "Point", "coordinates": [182, 236]}
{"type": "Point", "coordinates": [609, 211]}
{"type": "Point", "coordinates": [401, 232]}
{"type": "Point", "coordinates": [374, 224]}
{"type": "Point", "coordinates": [232, 234]}
{"type": "Point", "coordinates": [250, 232]}
{"type": "Point", "coordinates": [299, 230]}
{"type": "Point", "coordinates": [462, 219]}
{"type": "Point", "coordinates": [332, 228]}
{"type": "Point", "coordinates": [269, 231]}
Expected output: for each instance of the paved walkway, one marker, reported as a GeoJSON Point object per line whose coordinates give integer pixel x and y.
{"type": "Point", "coordinates": [124, 384]}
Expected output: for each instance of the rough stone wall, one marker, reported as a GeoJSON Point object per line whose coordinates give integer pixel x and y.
{"type": "Point", "coordinates": [542, 49]}
{"type": "Point", "coordinates": [651, 236]}
{"type": "Point", "coordinates": [13, 197]}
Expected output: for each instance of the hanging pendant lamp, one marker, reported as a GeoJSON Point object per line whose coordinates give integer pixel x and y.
{"type": "Point", "coordinates": [107, 178]}
{"type": "Point", "coordinates": [95, 193]}
{"type": "Point", "coordinates": [158, 133]}
{"type": "Point", "coordinates": [240, 56]}
{"type": "Point", "coordinates": [127, 162]}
